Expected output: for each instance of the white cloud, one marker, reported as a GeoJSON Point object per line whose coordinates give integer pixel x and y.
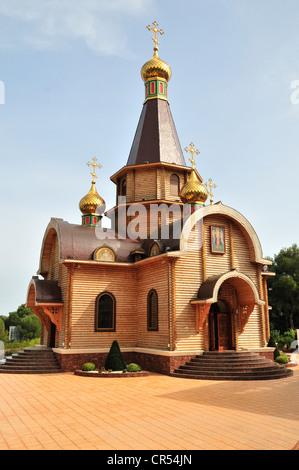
{"type": "Point", "coordinates": [101, 24]}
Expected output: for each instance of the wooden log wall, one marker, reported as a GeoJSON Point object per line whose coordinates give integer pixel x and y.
{"type": "Point", "coordinates": [154, 275]}
{"type": "Point", "coordinates": [88, 283]}
{"type": "Point", "coordinates": [198, 265]}
{"type": "Point", "coordinates": [188, 278]}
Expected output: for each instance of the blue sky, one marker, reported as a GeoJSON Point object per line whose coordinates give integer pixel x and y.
{"type": "Point", "coordinates": [71, 72]}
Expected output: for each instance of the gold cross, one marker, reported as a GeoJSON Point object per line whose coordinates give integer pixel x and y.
{"type": "Point", "coordinates": [155, 30]}
{"type": "Point", "coordinates": [94, 165]}
{"type": "Point", "coordinates": [210, 185]}
{"type": "Point", "coordinates": [192, 151]}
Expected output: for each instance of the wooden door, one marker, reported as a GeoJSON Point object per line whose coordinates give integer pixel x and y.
{"type": "Point", "coordinates": [223, 331]}
{"type": "Point", "coordinates": [52, 335]}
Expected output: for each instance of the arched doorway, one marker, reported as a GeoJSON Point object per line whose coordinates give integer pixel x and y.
{"type": "Point", "coordinates": [220, 326]}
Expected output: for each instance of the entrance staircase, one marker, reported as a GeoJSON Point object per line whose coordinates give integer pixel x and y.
{"type": "Point", "coordinates": [231, 365]}
{"type": "Point", "coordinates": [36, 360]}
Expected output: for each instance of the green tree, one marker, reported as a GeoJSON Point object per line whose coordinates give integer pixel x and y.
{"type": "Point", "coordinates": [14, 318]}
{"type": "Point", "coordinates": [284, 289]}
{"type": "Point", "coordinates": [3, 332]}
{"type": "Point", "coordinates": [30, 327]}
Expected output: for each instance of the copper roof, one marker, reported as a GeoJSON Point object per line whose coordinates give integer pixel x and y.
{"type": "Point", "coordinates": [80, 242]}
{"type": "Point", "coordinates": [46, 291]}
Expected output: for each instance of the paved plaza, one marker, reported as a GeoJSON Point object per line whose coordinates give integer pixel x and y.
{"type": "Point", "coordinates": [65, 411]}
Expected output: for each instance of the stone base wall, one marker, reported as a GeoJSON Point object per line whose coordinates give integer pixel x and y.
{"type": "Point", "coordinates": [149, 362]}
{"type": "Point", "coordinates": [161, 364]}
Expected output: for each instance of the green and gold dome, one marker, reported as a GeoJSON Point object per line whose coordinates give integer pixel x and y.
{"type": "Point", "coordinates": [155, 72]}
{"type": "Point", "coordinates": [92, 205]}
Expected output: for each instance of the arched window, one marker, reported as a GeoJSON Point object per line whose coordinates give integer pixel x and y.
{"type": "Point", "coordinates": [105, 312]}
{"type": "Point", "coordinates": [152, 310]}
{"type": "Point", "coordinates": [174, 185]}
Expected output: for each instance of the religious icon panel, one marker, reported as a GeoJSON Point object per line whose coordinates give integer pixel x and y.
{"type": "Point", "coordinates": [217, 239]}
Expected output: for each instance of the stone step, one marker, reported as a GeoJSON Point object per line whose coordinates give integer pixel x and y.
{"type": "Point", "coordinates": [32, 361]}
{"type": "Point", "coordinates": [29, 371]}
{"type": "Point", "coordinates": [233, 371]}
{"type": "Point", "coordinates": [227, 367]}
{"type": "Point", "coordinates": [230, 353]}
{"type": "Point", "coordinates": [283, 374]}
{"type": "Point", "coordinates": [23, 360]}
{"type": "Point", "coordinates": [202, 360]}
{"type": "Point", "coordinates": [231, 365]}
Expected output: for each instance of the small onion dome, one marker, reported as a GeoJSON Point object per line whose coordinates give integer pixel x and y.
{"type": "Point", "coordinates": [193, 192]}
{"type": "Point", "coordinates": [92, 203]}
{"type": "Point", "coordinates": [155, 67]}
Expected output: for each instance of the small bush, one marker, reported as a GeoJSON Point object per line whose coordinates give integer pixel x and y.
{"type": "Point", "coordinates": [133, 368]}
{"type": "Point", "coordinates": [88, 366]}
{"type": "Point", "coordinates": [282, 359]}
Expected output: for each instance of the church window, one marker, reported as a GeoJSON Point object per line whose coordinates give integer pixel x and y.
{"type": "Point", "coordinates": [124, 187]}
{"type": "Point", "coordinates": [105, 312]}
{"type": "Point", "coordinates": [174, 185]}
{"type": "Point", "coordinates": [152, 310]}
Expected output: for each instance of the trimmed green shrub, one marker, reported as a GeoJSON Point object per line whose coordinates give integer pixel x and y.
{"type": "Point", "coordinates": [114, 360]}
{"type": "Point", "coordinates": [282, 359]}
{"type": "Point", "coordinates": [88, 366]}
{"type": "Point", "coordinates": [276, 353]}
{"type": "Point", "coordinates": [272, 343]}
{"type": "Point", "coordinates": [133, 368]}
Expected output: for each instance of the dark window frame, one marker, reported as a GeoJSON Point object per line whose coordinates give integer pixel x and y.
{"type": "Point", "coordinates": [152, 325]}
{"type": "Point", "coordinates": [97, 313]}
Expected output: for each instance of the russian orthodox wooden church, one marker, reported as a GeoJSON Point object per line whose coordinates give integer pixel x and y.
{"type": "Point", "coordinates": [165, 297]}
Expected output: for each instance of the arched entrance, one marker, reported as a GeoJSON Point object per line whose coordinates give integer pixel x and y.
{"type": "Point", "coordinates": [220, 326]}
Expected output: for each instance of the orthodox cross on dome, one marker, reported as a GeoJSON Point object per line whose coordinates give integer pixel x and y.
{"type": "Point", "coordinates": [94, 165]}
{"type": "Point", "coordinates": [155, 30]}
{"type": "Point", "coordinates": [192, 151]}
{"type": "Point", "coordinates": [210, 185]}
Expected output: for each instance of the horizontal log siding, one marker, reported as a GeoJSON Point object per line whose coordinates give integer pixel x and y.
{"type": "Point", "coordinates": [87, 284]}
{"type": "Point", "coordinates": [252, 334]}
{"type": "Point", "coordinates": [153, 276]}
{"type": "Point", "coordinates": [145, 184]}
{"type": "Point", "coordinates": [188, 278]}
{"type": "Point", "coordinates": [60, 336]}
{"type": "Point", "coordinates": [243, 261]}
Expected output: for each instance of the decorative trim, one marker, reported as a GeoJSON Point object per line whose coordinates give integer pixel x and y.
{"type": "Point", "coordinates": [202, 311]}
{"type": "Point", "coordinates": [244, 313]}
{"type": "Point", "coordinates": [54, 312]}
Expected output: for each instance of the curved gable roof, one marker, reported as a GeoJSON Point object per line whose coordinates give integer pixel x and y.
{"type": "Point", "coordinates": [80, 242]}
{"type": "Point", "coordinates": [244, 225]}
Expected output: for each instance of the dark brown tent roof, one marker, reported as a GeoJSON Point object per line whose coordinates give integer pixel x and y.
{"type": "Point", "coordinates": [156, 138]}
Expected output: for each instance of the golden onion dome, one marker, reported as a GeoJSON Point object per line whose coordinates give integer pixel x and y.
{"type": "Point", "coordinates": [92, 203]}
{"type": "Point", "coordinates": [193, 192]}
{"type": "Point", "coordinates": [155, 67]}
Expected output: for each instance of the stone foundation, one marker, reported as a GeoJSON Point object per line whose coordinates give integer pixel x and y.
{"type": "Point", "coordinates": [162, 362]}
{"type": "Point", "coordinates": [159, 363]}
